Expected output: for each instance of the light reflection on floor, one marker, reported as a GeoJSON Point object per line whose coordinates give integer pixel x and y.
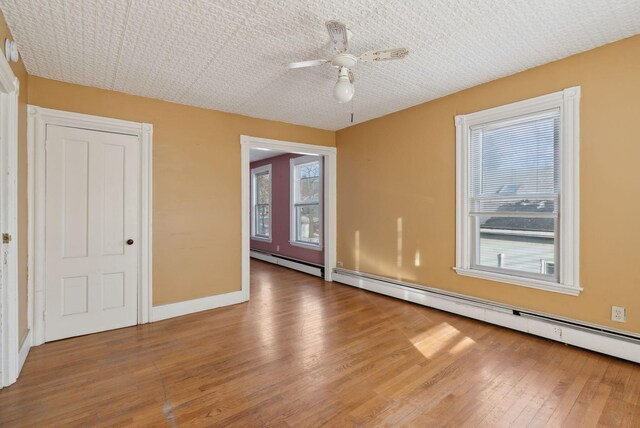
{"type": "Point", "coordinates": [441, 338]}
{"type": "Point", "coordinates": [309, 313]}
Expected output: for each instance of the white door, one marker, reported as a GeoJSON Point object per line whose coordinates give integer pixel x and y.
{"type": "Point", "coordinates": [91, 231]}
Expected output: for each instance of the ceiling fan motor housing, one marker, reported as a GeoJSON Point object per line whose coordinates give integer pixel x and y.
{"type": "Point", "coordinates": [344, 60]}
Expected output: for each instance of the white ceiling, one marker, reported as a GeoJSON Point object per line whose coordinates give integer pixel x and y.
{"type": "Point", "coordinates": [260, 154]}
{"type": "Point", "coordinates": [228, 55]}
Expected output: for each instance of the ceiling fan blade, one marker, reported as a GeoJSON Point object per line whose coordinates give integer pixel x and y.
{"type": "Point", "coordinates": [339, 35]}
{"type": "Point", "coordinates": [302, 64]}
{"type": "Point", "coordinates": [397, 53]}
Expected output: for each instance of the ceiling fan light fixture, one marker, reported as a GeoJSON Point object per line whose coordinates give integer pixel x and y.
{"type": "Point", "coordinates": [343, 90]}
{"type": "Point", "coordinates": [339, 36]}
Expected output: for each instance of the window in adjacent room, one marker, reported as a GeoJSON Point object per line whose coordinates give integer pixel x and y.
{"type": "Point", "coordinates": [517, 208]}
{"type": "Point", "coordinates": [261, 203]}
{"type": "Point", "coordinates": [306, 202]}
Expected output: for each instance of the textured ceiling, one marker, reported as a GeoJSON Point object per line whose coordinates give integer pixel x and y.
{"type": "Point", "coordinates": [228, 55]}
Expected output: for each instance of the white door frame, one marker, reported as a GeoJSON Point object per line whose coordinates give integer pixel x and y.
{"type": "Point", "coordinates": [9, 324]}
{"type": "Point", "coordinates": [330, 153]}
{"type": "Point", "coordinates": [38, 119]}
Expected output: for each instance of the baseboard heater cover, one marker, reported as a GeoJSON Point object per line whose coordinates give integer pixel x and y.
{"type": "Point", "coordinates": [625, 345]}
{"type": "Point", "coordinates": [290, 263]}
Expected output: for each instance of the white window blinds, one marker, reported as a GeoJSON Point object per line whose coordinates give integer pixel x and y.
{"type": "Point", "coordinates": [518, 193]}
{"type": "Point", "coordinates": [514, 160]}
{"type": "Point", "coordinates": [514, 193]}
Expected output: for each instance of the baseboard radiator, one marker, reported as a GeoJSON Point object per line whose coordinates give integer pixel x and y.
{"type": "Point", "coordinates": [621, 344]}
{"type": "Point", "coordinates": [290, 263]}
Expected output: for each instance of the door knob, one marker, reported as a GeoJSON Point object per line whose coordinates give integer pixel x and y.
{"type": "Point", "coordinates": [129, 241]}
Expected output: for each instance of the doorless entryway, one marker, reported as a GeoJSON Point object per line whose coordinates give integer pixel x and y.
{"type": "Point", "coordinates": [328, 204]}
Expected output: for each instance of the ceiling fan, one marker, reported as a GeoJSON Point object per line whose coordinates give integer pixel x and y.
{"type": "Point", "coordinates": [344, 61]}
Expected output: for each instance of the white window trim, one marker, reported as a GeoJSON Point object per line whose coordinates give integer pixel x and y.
{"type": "Point", "coordinates": [568, 101]}
{"type": "Point", "coordinates": [292, 221]}
{"type": "Point", "coordinates": [254, 173]}
{"type": "Point", "coordinates": [544, 265]}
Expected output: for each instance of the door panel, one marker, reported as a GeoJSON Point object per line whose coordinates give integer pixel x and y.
{"type": "Point", "coordinates": [74, 295]}
{"type": "Point", "coordinates": [76, 198]}
{"type": "Point", "coordinates": [113, 200]}
{"type": "Point", "coordinates": [113, 290]}
{"type": "Point", "coordinates": [91, 211]}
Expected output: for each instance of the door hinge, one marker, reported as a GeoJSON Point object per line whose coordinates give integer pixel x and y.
{"type": "Point", "coordinates": [6, 238]}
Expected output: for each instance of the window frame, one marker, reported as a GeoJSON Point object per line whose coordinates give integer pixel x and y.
{"type": "Point", "coordinates": [544, 265]}
{"type": "Point", "coordinates": [255, 173]}
{"type": "Point", "coordinates": [293, 235]}
{"type": "Point", "coordinates": [567, 246]}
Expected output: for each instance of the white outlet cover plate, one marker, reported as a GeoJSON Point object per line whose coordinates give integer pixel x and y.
{"type": "Point", "coordinates": [618, 313]}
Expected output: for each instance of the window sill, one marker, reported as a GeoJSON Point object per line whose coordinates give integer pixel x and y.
{"type": "Point", "coordinates": [307, 246]}
{"type": "Point", "coordinates": [524, 282]}
{"type": "Point", "coordinates": [258, 238]}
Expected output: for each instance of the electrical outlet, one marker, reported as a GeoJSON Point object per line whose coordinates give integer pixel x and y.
{"type": "Point", "coordinates": [277, 247]}
{"type": "Point", "coordinates": [618, 314]}
{"type": "Point", "coordinates": [339, 264]}
{"type": "Point", "coordinates": [557, 331]}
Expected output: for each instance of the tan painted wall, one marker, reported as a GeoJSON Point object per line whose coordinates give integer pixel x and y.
{"type": "Point", "coordinates": [196, 179]}
{"type": "Point", "coordinates": [21, 74]}
{"type": "Point", "coordinates": [401, 168]}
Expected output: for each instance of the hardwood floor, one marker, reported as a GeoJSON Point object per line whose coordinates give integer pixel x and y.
{"type": "Point", "coordinates": [305, 353]}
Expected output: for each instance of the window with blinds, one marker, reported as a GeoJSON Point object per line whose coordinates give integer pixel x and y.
{"type": "Point", "coordinates": [517, 193]}
{"type": "Point", "coordinates": [514, 194]}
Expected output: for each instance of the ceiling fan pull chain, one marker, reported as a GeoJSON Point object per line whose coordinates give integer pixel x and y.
{"type": "Point", "coordinates": [351, 110]}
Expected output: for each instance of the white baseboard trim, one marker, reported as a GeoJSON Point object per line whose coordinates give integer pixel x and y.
{"type": "Point", "coordinates": [24, 351]}
{"type": "Point", "coordinates": [627, 348]}
{"type": "Point", "coordinates": [266, 257]}
{"type": "Point", "coordinates": [172, 310]}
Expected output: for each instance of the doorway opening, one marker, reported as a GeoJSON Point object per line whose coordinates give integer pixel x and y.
{"type": "Point", "coordinates": [289, 206]}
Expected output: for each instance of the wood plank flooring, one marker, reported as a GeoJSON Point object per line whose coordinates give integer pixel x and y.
{"type": "Point", "coordinates": [306, 353]}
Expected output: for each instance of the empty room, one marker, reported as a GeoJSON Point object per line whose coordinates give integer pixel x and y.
{"type": "Point", "coordinates": [319, 213]}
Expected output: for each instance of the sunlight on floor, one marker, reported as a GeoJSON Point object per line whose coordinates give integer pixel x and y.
{"type": "Point", "coordinates": [441, 338]}
{"type": "Point", "coordinates": [462, 345]}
